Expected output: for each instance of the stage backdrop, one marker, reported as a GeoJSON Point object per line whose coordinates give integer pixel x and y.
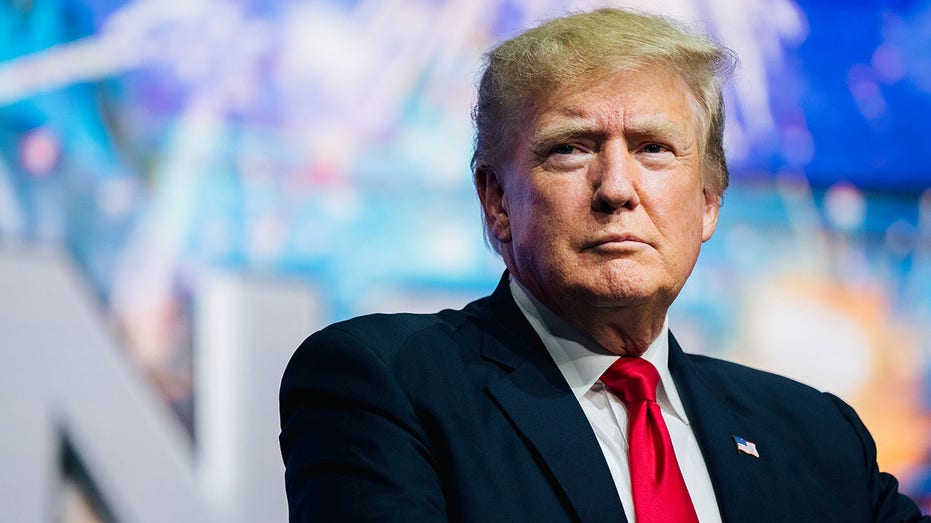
{"type": "Point", "coordinates": [328, 143]}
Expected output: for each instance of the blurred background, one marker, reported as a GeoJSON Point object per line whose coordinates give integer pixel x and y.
{"type": "Point", "coordinates": [193, 186]}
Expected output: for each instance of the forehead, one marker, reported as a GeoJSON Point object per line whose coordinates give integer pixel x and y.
{"type": "Point", "coordinates": [647, 99]}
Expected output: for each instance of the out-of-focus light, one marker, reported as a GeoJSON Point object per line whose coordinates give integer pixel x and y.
{"type": "Point", "coordinates": [116, 197]}
{"type": "Point", "coordinates": [798, 146]}
{"type": "Point", "coordinates": [39, 151]}
{"type": "Point", "coordinates": [900, 237]}
{"type": "Point", "coordinates": [12, 217]}
{"type": "Point", "coordinates": [342, 203]}
{"type": "Point", "coordinates": [801, 332]}
{"type": "Point", "coordinates": [845, 206]}
{"type": "Point", "coordinates": [861, 80]}
{"type": "Point", "coordinates": [924, 209]}
{"type": "Point", "coordinates": [266, 238]}
{"type": "Point", "coordinates": [743, 245]}
{"type": "Point", "coordinates": [888, 63]}
{"type": "Point", "coordinates": [453, 250]}
{"type": "Point", "coordinates": [217, 237]}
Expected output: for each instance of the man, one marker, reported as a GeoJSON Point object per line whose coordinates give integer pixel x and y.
{"type": "Point", "coordinates": [562, 396]}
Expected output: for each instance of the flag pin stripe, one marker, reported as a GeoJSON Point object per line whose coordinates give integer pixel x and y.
{"type": "Point", "coordinates": [746, 447]}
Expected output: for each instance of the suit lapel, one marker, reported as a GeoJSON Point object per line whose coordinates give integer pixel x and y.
{"type": "Point", "coordinates": [742, 483]}
{"type": "Point", "coordinates": [534, 395]}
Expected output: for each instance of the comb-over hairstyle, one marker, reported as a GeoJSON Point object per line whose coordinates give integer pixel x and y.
{"type": "Point", "coordinates": [520, 72]}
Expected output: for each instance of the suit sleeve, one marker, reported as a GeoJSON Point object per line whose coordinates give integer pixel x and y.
{"type": "Point", "coordinates": [353, 447]}
{"type": "Point", "coordinates": [889, 506]}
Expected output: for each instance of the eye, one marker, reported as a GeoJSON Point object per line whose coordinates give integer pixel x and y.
{"type": "Point", "coordinates": [563, 149]}
{"type": "Point", "coordinates": [654, 148]}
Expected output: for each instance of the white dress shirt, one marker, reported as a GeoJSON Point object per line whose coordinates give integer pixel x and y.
{"type": "Point", "coordinates": [582, 361]}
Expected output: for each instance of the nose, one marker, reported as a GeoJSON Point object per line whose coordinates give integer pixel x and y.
{"type": "Point", "coordinates": [616, 180]}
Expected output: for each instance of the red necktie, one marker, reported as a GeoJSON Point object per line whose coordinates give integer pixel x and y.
{"type": "Point", "coordinates": [658, 489]}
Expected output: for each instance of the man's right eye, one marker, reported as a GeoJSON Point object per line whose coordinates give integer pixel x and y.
{"type": "Point", "coordinates": [563, 149]}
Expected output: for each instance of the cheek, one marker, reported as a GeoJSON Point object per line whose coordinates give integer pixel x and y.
{"type": "Point", "coordinates": [680, 214]}
{"type": "Point", "coordinates": [557, 204]}
{"type": "Point", "coordinates": [551, 224]}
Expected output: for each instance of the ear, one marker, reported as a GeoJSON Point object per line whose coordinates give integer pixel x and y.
{"type": "Point", "coordinates": [494, 203]}
{"type": "Point", "coordinates": [710, 216]}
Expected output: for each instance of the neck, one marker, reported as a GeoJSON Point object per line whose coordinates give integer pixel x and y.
{"type": "Point", "coordinates": [625, 330]}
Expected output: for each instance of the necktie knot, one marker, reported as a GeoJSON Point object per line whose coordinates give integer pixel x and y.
{"type": "Point", "coordinates": [632, 379]}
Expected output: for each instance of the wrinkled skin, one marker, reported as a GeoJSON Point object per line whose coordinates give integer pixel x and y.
{"type": "Point", "coordinates": [601, 210]}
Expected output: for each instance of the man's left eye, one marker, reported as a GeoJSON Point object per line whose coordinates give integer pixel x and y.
{"type": "Point", "coordinates": [653, 148]}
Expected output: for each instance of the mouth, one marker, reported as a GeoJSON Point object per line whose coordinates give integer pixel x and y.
{"type": "Point", "coordinates": [615, 241]}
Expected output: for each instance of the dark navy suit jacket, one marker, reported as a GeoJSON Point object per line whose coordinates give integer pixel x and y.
{"type": "Point", "coordinates": [463, 416]}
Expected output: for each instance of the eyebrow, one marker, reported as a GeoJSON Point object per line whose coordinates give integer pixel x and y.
{"type": "Point", "coordinates": [659, 127]}
{"type": "Point", "coordinates": [564, 131]}
{"type": "Point", "coordinates": [642, 128]}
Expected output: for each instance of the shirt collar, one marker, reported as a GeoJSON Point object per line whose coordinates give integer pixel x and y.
{"type": "Point", "coordinates": [582, 360]}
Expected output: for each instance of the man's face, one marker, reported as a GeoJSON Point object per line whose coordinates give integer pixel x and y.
{"type": "Point", "coordinates": [602, 203]}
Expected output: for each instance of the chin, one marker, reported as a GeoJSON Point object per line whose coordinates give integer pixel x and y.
{"type": "Point", "coordinates": [628, 290]}
{"type": "Point", "coordinates": [616, 293]}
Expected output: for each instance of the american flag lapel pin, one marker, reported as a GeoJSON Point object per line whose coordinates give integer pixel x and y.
{"type": "Point", "coordinates": [746, 447]}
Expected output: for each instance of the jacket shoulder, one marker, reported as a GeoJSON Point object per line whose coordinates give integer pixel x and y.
{"type": "Point", "coordinates": [387, 339]}
{"type": "Point", "coordinates": [757, 393]}
{"type": "Point", "coordinates": [387, 333]}
{"type": "Point", "coordinates": [739, 375]}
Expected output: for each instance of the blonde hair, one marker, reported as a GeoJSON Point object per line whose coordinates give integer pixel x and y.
{"type": "Point", "coordinates": [519, 72]}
